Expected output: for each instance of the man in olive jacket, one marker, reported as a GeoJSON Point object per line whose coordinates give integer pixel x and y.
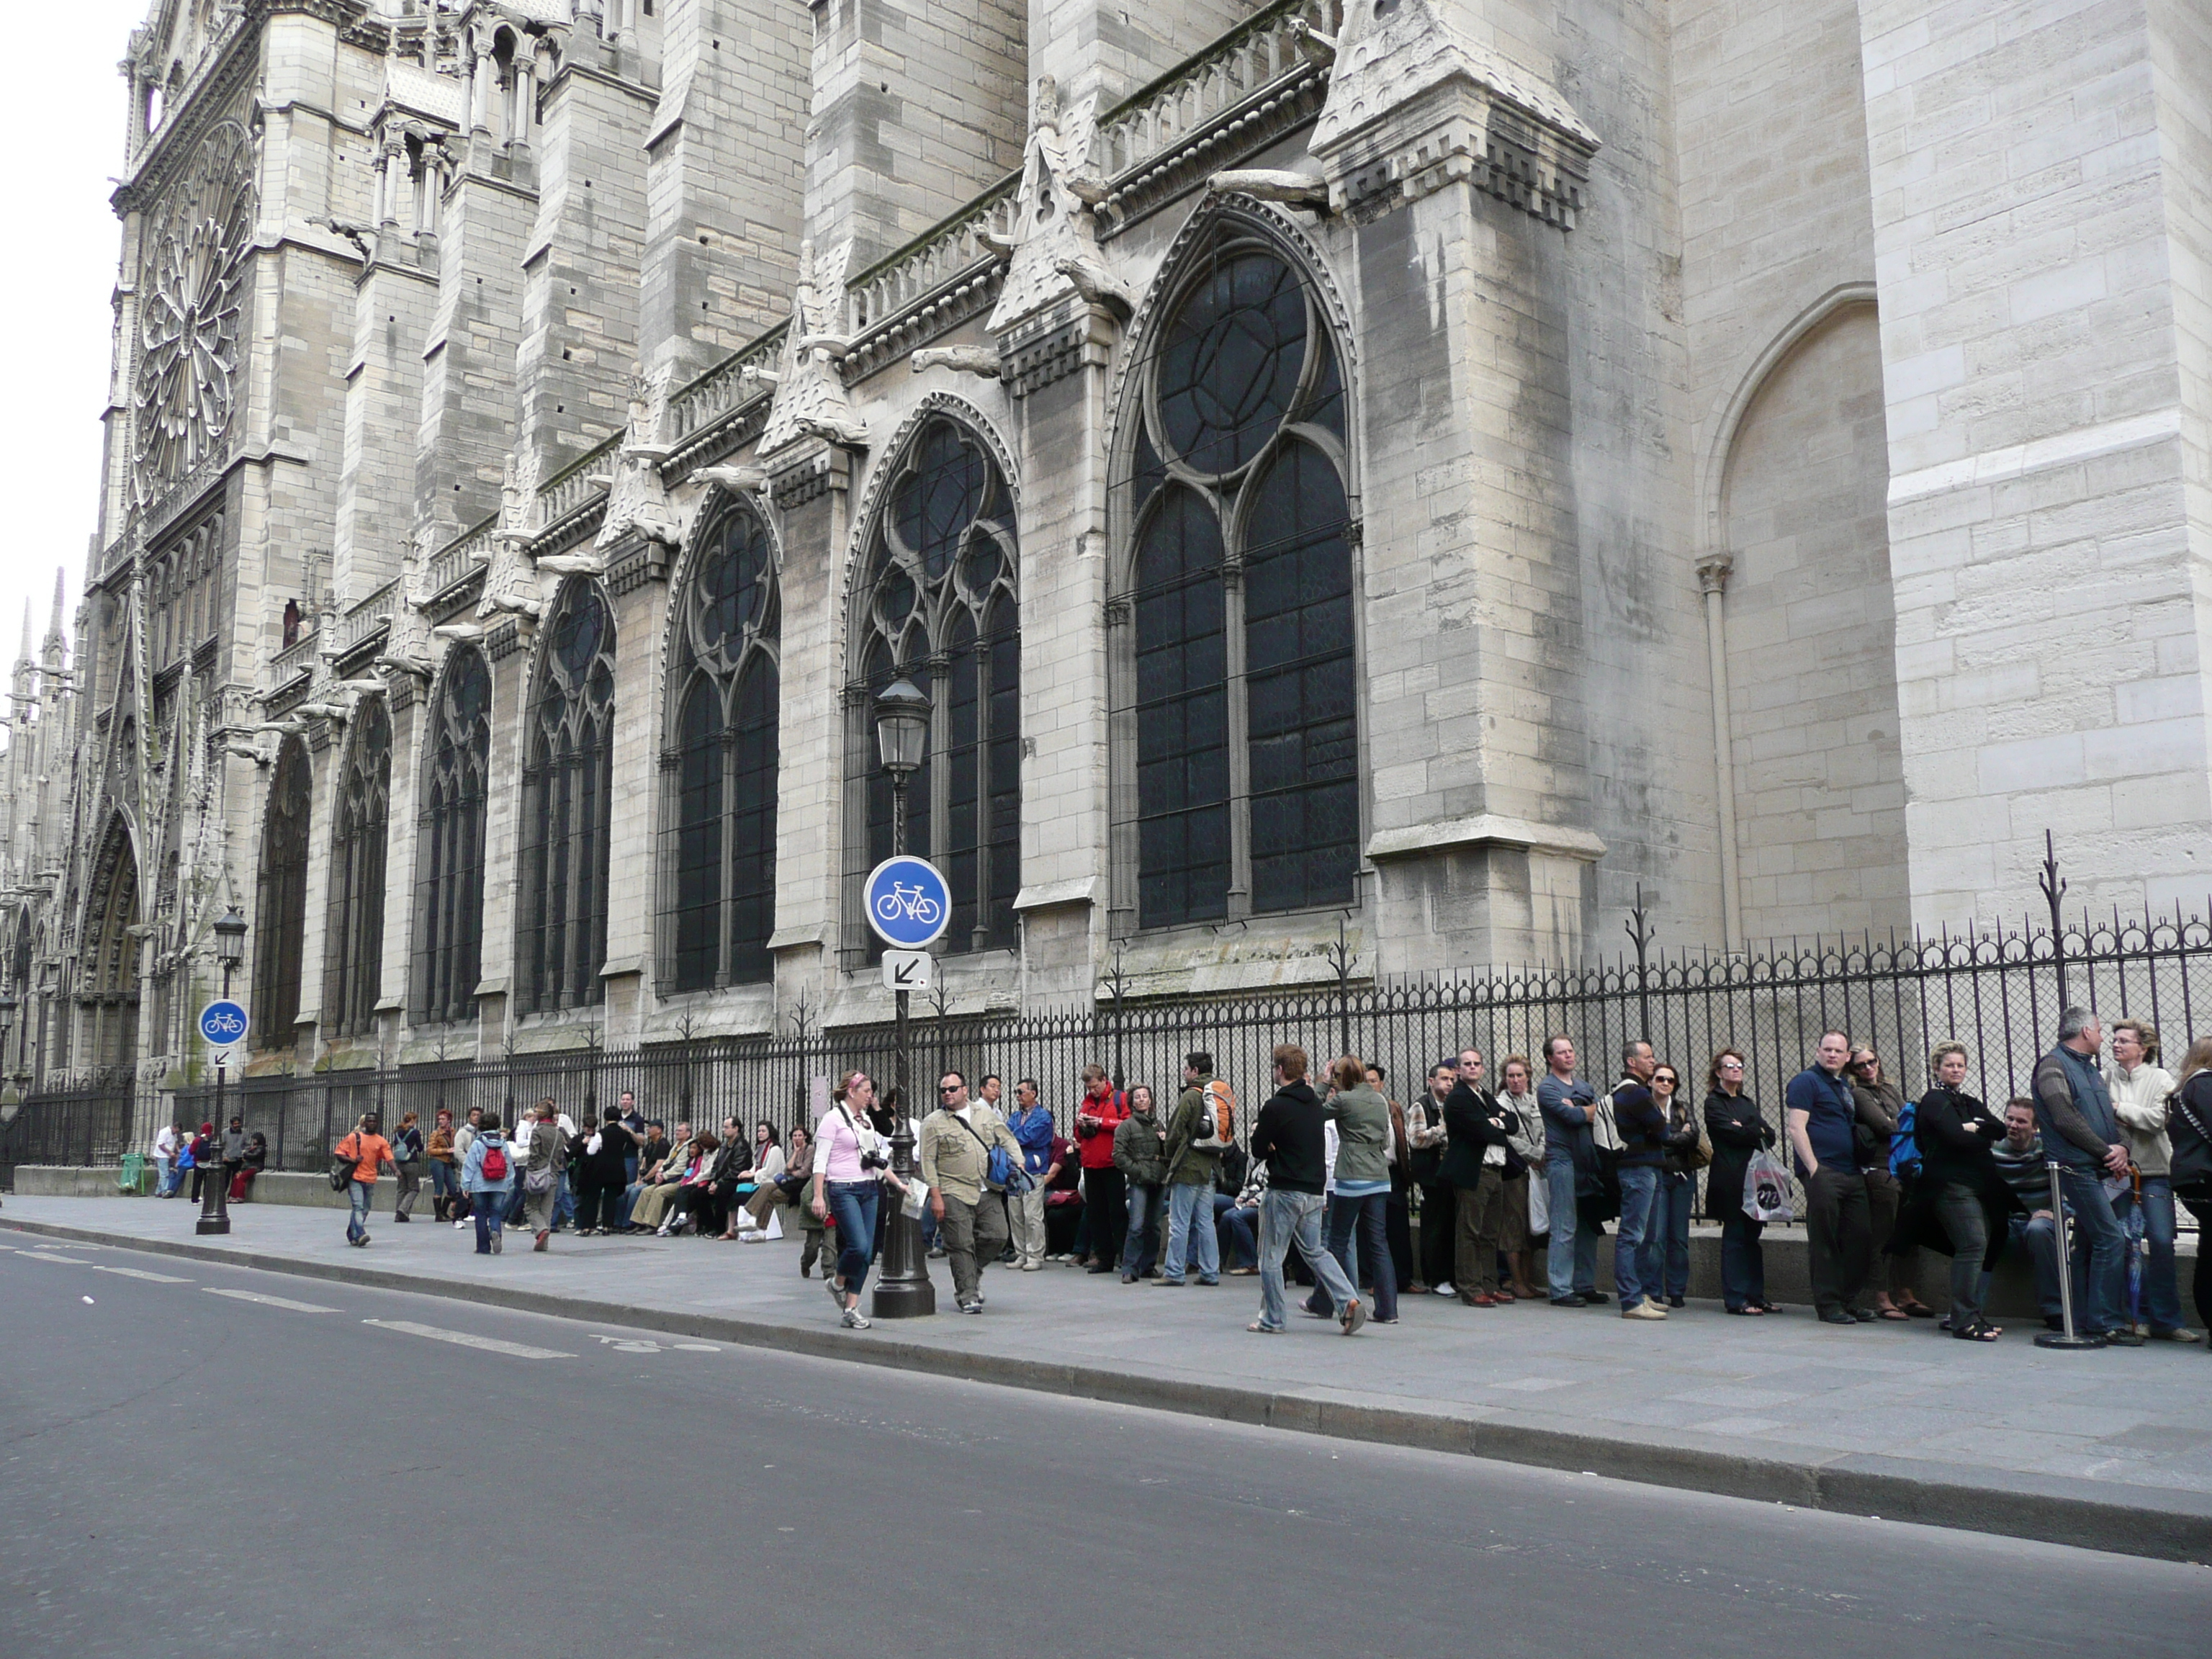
{"type": "Point", "coordinates": [955, 1155]}
{"type": "Point", "coordinates": [1140, 1153]}
{"type": "Point", "coordinates": [1191, 1170]}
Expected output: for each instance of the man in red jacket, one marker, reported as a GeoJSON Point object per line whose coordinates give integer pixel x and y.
{"type": "Point", "coordinates": [1105, 1191]}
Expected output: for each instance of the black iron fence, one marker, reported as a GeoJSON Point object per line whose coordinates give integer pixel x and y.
{"type": "Point", "coordinates": [1999, 993]}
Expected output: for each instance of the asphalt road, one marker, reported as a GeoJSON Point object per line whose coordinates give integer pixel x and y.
{"type": "Point", "coordinates": [189, 1471]}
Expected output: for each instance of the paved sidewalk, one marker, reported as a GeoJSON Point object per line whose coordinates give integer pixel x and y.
{"type": "Point", "coordinates": [2110, 1449]}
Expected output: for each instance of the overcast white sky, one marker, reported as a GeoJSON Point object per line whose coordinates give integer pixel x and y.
{"type": "Point", "coordinates": [62, 121]}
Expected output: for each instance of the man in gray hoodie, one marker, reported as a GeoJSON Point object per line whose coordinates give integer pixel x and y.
{"type": "Point", "coordinates": [2074, 1110]}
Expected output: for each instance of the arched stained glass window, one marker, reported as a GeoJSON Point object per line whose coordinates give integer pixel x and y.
{"type": "Point", "coordinates": [937, 604]}
{"type": "Point", "coordinates": [450, 841]}
{"type": "Point", "coordinates": [281, 908]}
{"type": "Point", "coordinates": [718, 863]}
{"type": "Point", "coordinates": [1236, 684]}
{"type": "Point", "coordinates": [355, 944]}
{"type": "Point", "coordinates": [568, 785]}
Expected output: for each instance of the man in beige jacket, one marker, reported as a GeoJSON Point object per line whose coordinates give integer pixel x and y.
{"type": "Point", "coordinates": [956, 1159]}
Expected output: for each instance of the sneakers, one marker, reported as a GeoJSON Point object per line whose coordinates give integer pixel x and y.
{"type": "Point", "coordinates": [854, 1320]}
{"type": "Point", "coordinates": [2179, 1334]}
{"type": "Point", "coordinates": [1444, 1289]}
{"type": "Point", "coordinates": [971, 1307]}
{"type": "Point", "coordinates": [457, 1225]}
{"type": "Point", "coordinates": [1033, 1266]}
{"type": "Point", "coordinates": [1643, 1310]}
{"type": "Point", "coordinates": [937, 1252]}
{"type": "Point", "coordinates": [2120, 1336]}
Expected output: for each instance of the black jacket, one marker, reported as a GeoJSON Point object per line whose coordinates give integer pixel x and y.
{"type": "Point", "coordinates": [1473, 1123]}
{"type": "Point", "coordinates": [1288, 1139]}
{"type": "Point", "coordinates": [1956, 1134]}
{"type": "Point", "coordinates": [1737, 1129]}
{"type": "Point", "coordinates": [2188, 1124]}
{"type": "Point", "coordinates": [1643, 1126]}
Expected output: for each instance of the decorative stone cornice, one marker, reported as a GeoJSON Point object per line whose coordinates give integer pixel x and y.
{"type": "Point", "coordinates": [1055, 345]}
{"type": "Point", "coordinates": [1415, 104]}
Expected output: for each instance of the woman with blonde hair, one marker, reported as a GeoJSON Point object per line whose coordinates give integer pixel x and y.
{"type": "Point", "coordinates": [2189, 1128]}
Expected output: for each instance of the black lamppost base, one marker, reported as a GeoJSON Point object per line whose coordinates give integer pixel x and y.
{"type": "Point", "coordinates": [911, 1298]}
{"type": "Point", "coordinates": [2059, 1340]}
{"type": "Point", "coordinates": [220, 1224]}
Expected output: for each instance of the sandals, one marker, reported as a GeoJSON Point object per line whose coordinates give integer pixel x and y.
{"type": "Point", "coordinates": [1896, 1316]}
{"type": "Point", "coordinates": [1917, 1310]}
{"type": "Point", "coordinates": [1750, 1311]}
{"type": "Point", "coordinates": [1980, 1331]}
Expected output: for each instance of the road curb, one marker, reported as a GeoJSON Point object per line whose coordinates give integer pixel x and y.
{"type": "Point", "coordinates": [2162, 1525]}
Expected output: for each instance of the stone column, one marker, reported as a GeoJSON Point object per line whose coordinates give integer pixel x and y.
{"type": "Point", "coordinates": [1712, 581]}
{"type": "Point", "coordinates": [2040, 235]}
{"type": "Point", "coordinates": [1463, 191]}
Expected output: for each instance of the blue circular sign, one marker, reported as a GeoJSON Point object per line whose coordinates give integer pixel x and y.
{"type": "Point", "coordinates": [908, 901]}
{"type": "Point", "coordinates": [223, 1023]}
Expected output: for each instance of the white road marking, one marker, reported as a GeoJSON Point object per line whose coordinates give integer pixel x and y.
{"type": "Point", "coordinates": [48, 1255]}
{"type": "Point", "coordinates": [268, 1301]}
{"type": "Point", "coordinates": [140, 1273]}
{"type": "Point", "coordinates": [698, 1347]}
{"type": "Point", "coordinates": [468, 1339]}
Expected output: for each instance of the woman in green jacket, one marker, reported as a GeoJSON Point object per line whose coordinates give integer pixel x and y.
{"type": "Point", "coordinates": [1359, 1196]}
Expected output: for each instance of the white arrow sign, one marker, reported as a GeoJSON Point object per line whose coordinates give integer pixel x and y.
{"type": "Point", "coordinates": [906, 970]}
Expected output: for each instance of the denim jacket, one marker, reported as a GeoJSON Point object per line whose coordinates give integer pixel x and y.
{"type": "Point", "coordinates": [473, 1175]}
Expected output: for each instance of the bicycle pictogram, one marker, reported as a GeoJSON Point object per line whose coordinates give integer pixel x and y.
{"type": "Point", "coordinates": [911, 903]}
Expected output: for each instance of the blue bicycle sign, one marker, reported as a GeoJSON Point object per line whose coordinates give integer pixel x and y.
{"type": "Point", "coordinates": [223, 1023]}
{"type": "Point", "coordinates": [908, 901]}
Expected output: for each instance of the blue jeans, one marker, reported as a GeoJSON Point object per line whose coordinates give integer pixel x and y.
{"type": "Point", "coordinates": [357, 1223]}
{"type": "Point", "coordinates": [1570, 1262]}
{"type": "Point", "coordinates": [1358, 1237]}
{"type": "Point", "coordinates": [2097, 1235]}
{"type": "Point", "coordinates": [2038, 1236]}
{"type": "Point", "coordinates": [1632, 1263]}
{"type": "Point", "coordinates": [490, 1211]}
{"type": "Point", "coordinates": [1190, 1236]}
{"type": "Point", "coordinates": [1677, 1196]}
{"type": "Point", "coordinates": [1238, 1230]}
{"type": "Point", "coordinates": [1743, 1262]}
{"type": "Point", "coordinates": [445, 1179]}
{"type": "Point", "coordinates": [1288, 1219]}
{"type": "Point", "coordinates": [853, 1203]}
{"type": "Point", "coordinates": [2161, 1289]}
{"type": "Point", "coordinates": [564, 1200]}
{"type": "Point", "coordinates": [1140, 1245]}
{"type": "Point", "coordinates": [162, 1168]}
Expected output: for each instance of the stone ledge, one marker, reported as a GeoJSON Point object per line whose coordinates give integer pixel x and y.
{"type": "Point", "coordinates": [1486, 828]}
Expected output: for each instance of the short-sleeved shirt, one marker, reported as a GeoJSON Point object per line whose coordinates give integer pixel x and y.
{"type": "Point", "coordinates": [1830, 1112]}
{"type": "Point", "coordinates": [369, 1151]}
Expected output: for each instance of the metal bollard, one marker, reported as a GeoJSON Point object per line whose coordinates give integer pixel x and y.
{"type": "Point", "coordinates": [2065, 1339]}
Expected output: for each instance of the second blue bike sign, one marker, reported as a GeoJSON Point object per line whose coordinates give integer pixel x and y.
{"type": "Point", "coordinates": [909, 902]}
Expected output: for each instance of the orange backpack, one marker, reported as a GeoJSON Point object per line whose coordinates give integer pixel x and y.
{"type": "Point", "coordinates": [1220, 1101]}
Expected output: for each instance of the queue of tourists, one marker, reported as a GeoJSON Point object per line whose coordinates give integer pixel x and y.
{"type": "Point", "coordinates": [1489, 1193]}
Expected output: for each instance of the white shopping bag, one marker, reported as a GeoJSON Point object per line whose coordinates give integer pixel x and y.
{"type": "Point", "coordinates": [775, 1228]}
{"type": "Point", "coordinates": [1767, 1189]}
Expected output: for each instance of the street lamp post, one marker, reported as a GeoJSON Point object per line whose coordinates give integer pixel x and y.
{"type": "Point", "coordinates": [11, 1096]}
{"type": "Point", "coordinates": [214, 1190]}
{"type": "Point", "coordinates": [903, 1288]}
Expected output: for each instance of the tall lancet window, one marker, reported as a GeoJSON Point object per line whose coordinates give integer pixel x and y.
{"type": "Point", "coordinates": [1234, 657]}
{"type": "Point", "coordinates": [354, 949]}
{"type": "Point", "coordinates": [567, 788]}
{"type": "Point", "coordinates": [450, 841]}
{"type": "Point", "coordinates": [281, 908]}
{"type": "Point", "coordinates": [720, 764]}
{"type": "Point", "coordinates": [936, 604]}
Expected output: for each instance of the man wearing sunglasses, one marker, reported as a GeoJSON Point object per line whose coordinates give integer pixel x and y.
{"type": "Point", "coordinates": [956, 1161]}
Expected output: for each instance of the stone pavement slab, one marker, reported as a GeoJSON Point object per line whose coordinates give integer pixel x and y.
{"type": "Point", "coordinates": [2109, 1450]}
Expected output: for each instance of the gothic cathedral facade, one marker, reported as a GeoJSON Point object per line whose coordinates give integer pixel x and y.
{"type": "Point", "coordinates": [1432, 469]}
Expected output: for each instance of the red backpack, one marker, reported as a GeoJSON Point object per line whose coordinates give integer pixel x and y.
{"type": "Point", "coordinates": [495, 1161]}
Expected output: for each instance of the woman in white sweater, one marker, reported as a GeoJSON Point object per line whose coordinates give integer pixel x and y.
{"type": "Point", "coordinates": [2140, 1088]}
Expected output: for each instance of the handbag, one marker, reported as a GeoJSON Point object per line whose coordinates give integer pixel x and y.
{"type": "Point", "coordinates": [342, 1167]}
{"type": "Point", "coordinates": [1766, 1188]}
{"type": "Point", "coordinates": [1001, 1168]}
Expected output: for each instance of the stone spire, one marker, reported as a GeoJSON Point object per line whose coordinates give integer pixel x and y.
{"type": "Point", "coordinates": [56, 640]}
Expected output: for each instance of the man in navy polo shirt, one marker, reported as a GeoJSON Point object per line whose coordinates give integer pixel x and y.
{"type": "Point", "coordinates": [1819, 1111]}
